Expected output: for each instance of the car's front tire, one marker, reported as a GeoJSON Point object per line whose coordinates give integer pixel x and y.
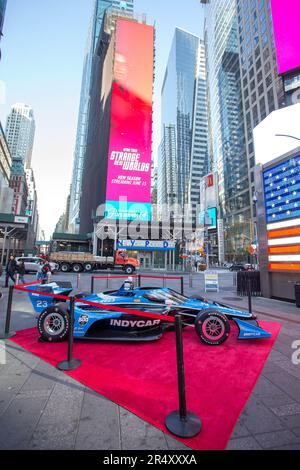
{"type": "Point", "coordinates": [53, 324]}
{"type": "Point", "coordinates": [212, 327]}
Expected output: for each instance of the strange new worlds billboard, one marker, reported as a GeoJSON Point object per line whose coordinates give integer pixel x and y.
{"type": "Point", "coordinates": [128, 193]}
{"type": "Point", "coordinates": [286, 20]}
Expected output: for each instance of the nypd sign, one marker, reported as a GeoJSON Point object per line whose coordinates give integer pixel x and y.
{"type": "Point", "coordinates": [147, 245]}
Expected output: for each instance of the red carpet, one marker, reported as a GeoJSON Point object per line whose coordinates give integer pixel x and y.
{"type": "Point", "coordinates": [143, 377]}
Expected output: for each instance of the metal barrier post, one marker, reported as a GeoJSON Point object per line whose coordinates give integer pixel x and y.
{"type": "Point", "coordinates": [107, 281]}
{"type": "Point", "coordinates": [249, 295]}
{"type": "Point", "coordinates": [191, 280]}
{"type": "Point", "coordinates": [17, 279]}
{"type": "Point", "coordinates": [182, 285]}
{"type": "Point", "coordinates": [139, 280]}
{"type": "Point", "coordinates": [78, 281]}
{"type": "Point", "coordinates": [92, 284]}
{"type": "Point", "coordinates": [70, 363]}
{"type": "Point", "coordinates": [164, 281]}
{"type": "Point", "coordinates": [7, 333]}
{"type": "Point", "coordinates": [182, 423]}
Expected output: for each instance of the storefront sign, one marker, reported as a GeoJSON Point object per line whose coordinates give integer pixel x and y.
{"type": "Point", "coordinates": [146, 245]}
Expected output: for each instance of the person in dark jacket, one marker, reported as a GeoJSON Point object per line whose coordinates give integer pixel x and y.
{"type": "Point", "coordinates": [21, 271]}
{"type": "Point", "coordinates": [11, 269]}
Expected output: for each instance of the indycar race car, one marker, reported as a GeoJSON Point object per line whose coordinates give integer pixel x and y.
{"type": "Point", "coordinates": [211, 320]}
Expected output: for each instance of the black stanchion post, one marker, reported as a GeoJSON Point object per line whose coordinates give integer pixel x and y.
{"type": "Point", "coordinates": [92, 284]}
{"type": "Point", "coordinates": [164, 281]}
{"type": "Point", "coordinates": [70, 363]}
{"type": "Point", "coordinates": [7, 333]}
{"type": "Point", "coordinates": [249, 295]}
{"type": "Point", "coordinates": [182, 285]}
{"type": "Point", "coordinates": [182, 423]}
{"type": "Point", "coordinates": [139, 280]}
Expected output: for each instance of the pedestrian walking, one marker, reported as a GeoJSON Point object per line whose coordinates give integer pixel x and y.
{"type": "Point", "coordinates": [11, 269]}
{"type": "Point", "coordinates": [39, 274]}
{"type": "Point", "coordinates": [46, 272]}
{"type": "Point", "coordinates": [22, 271]}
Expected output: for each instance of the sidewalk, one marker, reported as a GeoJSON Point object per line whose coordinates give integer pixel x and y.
{"type": "Point", "coordinates": [42, 408]}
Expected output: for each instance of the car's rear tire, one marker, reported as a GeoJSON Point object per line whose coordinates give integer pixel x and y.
{"type": "Point", "coordinates": [53, 324]}
{"type": "Point", "coordinates": [212, 327]}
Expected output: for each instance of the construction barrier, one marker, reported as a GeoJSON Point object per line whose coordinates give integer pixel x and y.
{"type": "Point", "coordinates": [248, 281]}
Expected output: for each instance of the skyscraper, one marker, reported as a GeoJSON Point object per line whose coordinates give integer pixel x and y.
{"type": "Point", "coordinates": [263, 90]}
{"type": "Point", "coordinates": [227, 150]}
{"type": "Point", "coordinates": [2, 13]}
{"type": "Point", "coordinates": [199, 155]}
{"type": "Point", "coordinates": [178, 102]}
{"type": "Point", "coordinates": [20, 131]}
{"type": "Point", "coordinates": [100, 7]}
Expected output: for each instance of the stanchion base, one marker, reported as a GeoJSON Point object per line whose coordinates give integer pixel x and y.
{"type": "Point", "coordinates": [69, 365]}
{"type": "Point", "coordinates": [8, 336]}
{"type": "Point", "coordinates": [189, 427]}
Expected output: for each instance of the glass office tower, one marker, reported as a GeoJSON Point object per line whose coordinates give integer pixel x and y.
{"type": "Point", "coordinates": [262, 88]}
{"type": "Point", "coordinates": [178, 100]}
{"type": "Point", "coordinates": [100, 7]}
{"type": "Point", "coordinates": [227, 151]}
{"type": "Point", "coordinates": [2, 13]}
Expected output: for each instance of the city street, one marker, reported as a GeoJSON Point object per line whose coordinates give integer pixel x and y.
{"type": "Point", "coordinates": [42, 408]}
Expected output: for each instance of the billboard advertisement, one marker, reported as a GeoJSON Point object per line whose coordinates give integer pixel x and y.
{"type": "Point", "coordinates": [286, 20]}
{"type": "Point", "coordinates": [128, 194]}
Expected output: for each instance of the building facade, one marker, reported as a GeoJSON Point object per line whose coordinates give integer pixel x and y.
{"type": "Point", "coordinates": [178, 104]}
{"type": "Point", "coordinates": [100, 8]}
{"type": "Point", "coordinates": [227, 148]}
{"type": "Point", "coordinates": [199, 166]}
{"type": "Point", "coordinates": [263, 89]}
{"type": "Point", "coordinates": [31, 209]}
{"type": "Point", "coordinates": [20, 131]}
{"type": "Point", "coordinates": [2, 14]}
{"type": "Point", "coordinates": [5, 157]}
{"type": "Point", "coordinates": [19, 184]}
{"type": "Point", "coordinates": [119, 140]}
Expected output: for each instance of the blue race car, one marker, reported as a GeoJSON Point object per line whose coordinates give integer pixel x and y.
{"type": "Point", "coordinates": [211, 320]}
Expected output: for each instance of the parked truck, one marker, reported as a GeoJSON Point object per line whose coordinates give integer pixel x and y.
{"type": "Point", "coordinates": [81, 261]}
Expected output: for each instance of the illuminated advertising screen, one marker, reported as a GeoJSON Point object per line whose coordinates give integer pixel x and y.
{"type": "Point", "coordinates": [128, 194]}
{"type": "Point", "coordinates": [286, 20]}
{"type": "Point", "coordinates": [208, 218]}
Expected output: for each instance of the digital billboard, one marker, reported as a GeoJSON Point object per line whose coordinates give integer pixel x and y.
{"type": "Point", "coordinates": [128, 193]}
{"type": "Point", "coordinates": [286, 20]}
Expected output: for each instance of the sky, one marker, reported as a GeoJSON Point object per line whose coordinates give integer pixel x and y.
{"type": "Point", "coordinates": [42, 58]}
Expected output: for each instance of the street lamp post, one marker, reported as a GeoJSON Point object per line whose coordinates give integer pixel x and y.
{"type": "Point", "coordinates": [288, 136]}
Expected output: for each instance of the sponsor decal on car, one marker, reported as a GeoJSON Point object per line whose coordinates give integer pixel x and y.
{"type": "Point", "coordinates": [83, 320]}
{"type": "Point", "coordinates": [134, 323]}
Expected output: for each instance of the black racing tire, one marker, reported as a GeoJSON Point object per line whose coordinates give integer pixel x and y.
{"type": "Point", "coordinates": [53, 324]}
{"type": "Point", "coordinates": [129, 269]}
{"type": "Point", "coordinates": [212, 327]}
